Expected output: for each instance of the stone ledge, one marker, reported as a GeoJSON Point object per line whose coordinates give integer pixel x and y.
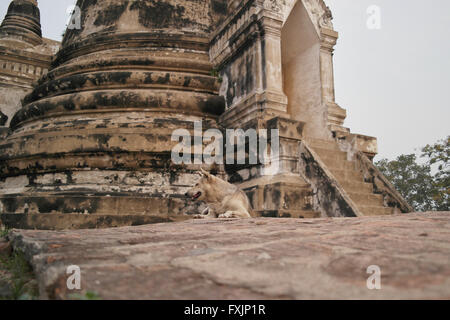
{"type": "Point", "coordinates": [61, 221]}
{"type": "Point", "coordinates": [262, 258]}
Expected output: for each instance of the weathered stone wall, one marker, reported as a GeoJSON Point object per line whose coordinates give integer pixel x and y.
{"type": "Point", "coordinates": [19, 69]}
{"type": "Point", "coordinates": [10, 102]}
{"type": "Point", "coordinates": [238, 79]}
{"type": "Point", "coordinates": [93, 136]}
{"type": "Point", "coordinates": [99, 123]}
{"type": "Point", "coordinates": [164, 16]}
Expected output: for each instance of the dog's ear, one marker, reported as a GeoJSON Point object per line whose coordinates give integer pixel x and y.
{"type": "Point", "coordinates": [205, 173]}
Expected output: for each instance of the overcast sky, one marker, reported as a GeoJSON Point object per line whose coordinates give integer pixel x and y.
{"type": "Point", "coordinates": [394, 82]}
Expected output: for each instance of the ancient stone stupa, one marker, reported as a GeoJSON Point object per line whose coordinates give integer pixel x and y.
{"type": "Point", "coordinates": [91, 144]}
{"type": "Point", "coordinates": [24, 57]}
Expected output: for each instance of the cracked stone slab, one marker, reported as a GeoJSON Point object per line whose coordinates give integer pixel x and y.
{"type": "Point", "coordinates": [249, 259]}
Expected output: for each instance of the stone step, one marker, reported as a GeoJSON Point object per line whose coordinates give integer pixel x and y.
{"type": "Point", "coordinates": [334, 161]}
{"type": "Point", "coordinates": [330, 155]}
{"type": "Point", "coordinates": [350, 178]}
{"type": "Point", "coordinates": [376, 210]}
{"type": "Point", "coordinates": [366, 198]}
{"type": "Point", "coordinates": [58, 221]}
{"type": "Point", "coordinates": [324, 144]}
{"type": "Point", "coordinates": [352, 175]}
{"type": "Point", "coordinates": [288, 214]}
{"type": "Point", "coordinates": [357, 187]}
{"type": "Point", "coordinates": [341, 165]}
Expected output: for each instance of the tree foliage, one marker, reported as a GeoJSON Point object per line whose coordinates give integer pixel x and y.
{"type": "Point", "coordinates": [425, 186]}
{"type": "Point", "coordinates": [438, 156]}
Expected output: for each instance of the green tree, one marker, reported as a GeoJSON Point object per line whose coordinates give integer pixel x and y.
{"type": "Point", "coordinates": [425, 186]}
{"type": "Point", "coordinates": [438, 157]}
{"type": "Point", "coordinates": [414, 181]}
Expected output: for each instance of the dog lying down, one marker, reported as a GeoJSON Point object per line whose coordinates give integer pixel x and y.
{"type": "Point", "coordinates": [223, 199]}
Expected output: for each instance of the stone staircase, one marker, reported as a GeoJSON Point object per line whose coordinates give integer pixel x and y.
{"type": "Point", "coordinates": [350, 178]}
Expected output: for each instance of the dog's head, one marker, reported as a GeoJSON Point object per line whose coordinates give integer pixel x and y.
{"type": "Point", "coordinates": [200, 191]}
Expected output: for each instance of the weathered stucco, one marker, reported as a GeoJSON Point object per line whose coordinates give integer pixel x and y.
{"type": "Point", "coordinates": [301, 70]}
{"type": "Point", "coordinates": [87, 130]}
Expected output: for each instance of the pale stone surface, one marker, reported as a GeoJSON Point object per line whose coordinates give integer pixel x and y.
{"type": "Point", "coordinates": [250, 259]}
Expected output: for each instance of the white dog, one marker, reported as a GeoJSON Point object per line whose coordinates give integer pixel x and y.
{"type": "Point", "coordinates": [224, 200]}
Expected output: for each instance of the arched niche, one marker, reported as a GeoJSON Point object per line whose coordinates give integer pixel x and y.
{"type": "Point", "coordinates": [301, 69]}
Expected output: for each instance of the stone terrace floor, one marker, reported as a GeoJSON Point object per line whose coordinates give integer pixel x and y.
{"type": "Point", "coordinates": [249, 259]}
